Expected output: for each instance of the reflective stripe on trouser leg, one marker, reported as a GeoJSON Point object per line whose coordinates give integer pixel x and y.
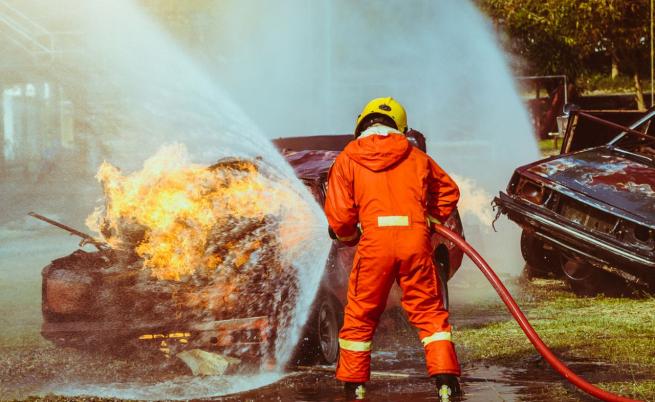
{"type": "Point", "coordinates": [437, 336]}
{"type": "Point", "coordinates": [355, 346]}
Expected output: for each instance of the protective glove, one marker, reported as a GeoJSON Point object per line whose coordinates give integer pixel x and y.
{"type": "Point", "coordinates": [433, 223]}
{"type": "Point", "coordinates": [349, 243]}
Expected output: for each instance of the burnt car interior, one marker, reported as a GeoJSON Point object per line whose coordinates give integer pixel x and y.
{"type": "Point", "coordinates": [641, 146]}
{"type": "Point", "coordinates": [583, 133]}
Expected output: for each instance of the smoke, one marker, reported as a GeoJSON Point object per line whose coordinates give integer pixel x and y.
{"type": "Point", "coordinates": [474, 202]}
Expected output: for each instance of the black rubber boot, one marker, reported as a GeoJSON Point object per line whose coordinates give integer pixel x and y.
{"type": "Point", "coordinates": [355, 390]}
{"type": "Point", "coordinates": [447, 386]}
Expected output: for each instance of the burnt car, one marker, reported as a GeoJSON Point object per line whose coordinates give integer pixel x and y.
{"type": "Point", "coordinates": [103, 300]}
{"type": "Point", "coordinates": [588, 214]}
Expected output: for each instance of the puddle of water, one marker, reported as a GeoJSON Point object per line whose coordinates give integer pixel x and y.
{"type": "Point", "coordinates": [493, 383]}
{"type": "Point", "coordinates": [180, 388]}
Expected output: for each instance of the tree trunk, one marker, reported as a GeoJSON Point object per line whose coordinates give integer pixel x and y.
{"type": "Point", "coordinates": [615, 66]}
{"type": "Point", "coordinates": [639, 93]}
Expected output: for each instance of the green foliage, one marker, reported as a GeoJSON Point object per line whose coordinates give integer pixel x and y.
{"type": "Point", "coordinates": [561, 36]}
{"type": "Point", "coordinates": [602, 82]}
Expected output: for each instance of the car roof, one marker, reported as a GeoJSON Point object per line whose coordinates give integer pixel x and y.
{"type": "Point", "coordinates": [312, 156]}
{"type": "Point", "coordinates": [313, 142]}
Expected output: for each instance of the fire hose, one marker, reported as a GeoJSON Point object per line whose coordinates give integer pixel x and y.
{"type": "Point", "coordinates": [523, 322]}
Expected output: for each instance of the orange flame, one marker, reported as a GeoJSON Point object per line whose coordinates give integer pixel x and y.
{"type": "Point", "coordinates": [168, 211]}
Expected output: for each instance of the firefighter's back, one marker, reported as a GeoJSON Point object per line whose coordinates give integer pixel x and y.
{"type": "Point", "coordinates": [390, 191]}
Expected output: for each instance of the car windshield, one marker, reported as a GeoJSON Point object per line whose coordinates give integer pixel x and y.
{"type": "Point", "coordinates": [637, 145]}
{"type": "Point", "coordinates": [633, 143]}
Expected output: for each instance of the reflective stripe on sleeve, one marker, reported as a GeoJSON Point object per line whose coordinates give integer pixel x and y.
{"type": "Point", "coordinates": [355, 346]}
{"type": "Point", "coordinates": [432, 219]}
{"type": "Point", "coordinates": [393, 221]}
{"type": "Point", "coordinates": [437, 336]}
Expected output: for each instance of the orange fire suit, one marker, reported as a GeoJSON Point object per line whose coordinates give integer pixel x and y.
{"type": "Point", "coordinates": [394, 192]}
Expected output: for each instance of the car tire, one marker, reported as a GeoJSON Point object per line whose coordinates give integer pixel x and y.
{"type": "Point", "coordinates": [328, 325]}
{"type": "Point", "coordinates": [442, 274]}
{"type": "Point", "coordinates": [590, 287]}
{"type": "Point", "coordinates": [588, 281]}
{"type": "Point", "coordinates": [540, 262]}
{"type": "Point", "coordinates": [320, 343]}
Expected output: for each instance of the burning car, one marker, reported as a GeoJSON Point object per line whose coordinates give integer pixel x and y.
{"type": "Point", "coordinates": [129, 294]}
{"type": "Point", "coordinates": [589, 213]}
{"type": "Point", "coordinates": [141, 287]}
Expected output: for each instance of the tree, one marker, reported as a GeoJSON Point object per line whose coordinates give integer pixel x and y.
{"type": "Point", "coordinates": [560, 36]}
{"type": "Point", "coordinates": [624, 38]}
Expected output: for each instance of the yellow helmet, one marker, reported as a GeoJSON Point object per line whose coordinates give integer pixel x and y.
{"type": "Point", "coordinates": [383, 106]}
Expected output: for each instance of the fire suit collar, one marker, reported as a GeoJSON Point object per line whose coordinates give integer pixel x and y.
{"type": "Point", "coordinates": [378, 129]}
{"type": "Point", "coordinates": [378, 152]}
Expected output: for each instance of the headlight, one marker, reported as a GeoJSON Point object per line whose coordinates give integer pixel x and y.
{"type": "Point", "coordinates": [531, 191]}
{"type": "Point", "coordinates": [637, 235]}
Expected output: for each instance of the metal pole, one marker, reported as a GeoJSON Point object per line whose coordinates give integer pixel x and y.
{"type": "Point", "coordinates": [561, 76]}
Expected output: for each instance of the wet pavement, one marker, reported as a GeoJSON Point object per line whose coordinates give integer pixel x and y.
{"type": "Point", "coordinates": [479, 383]}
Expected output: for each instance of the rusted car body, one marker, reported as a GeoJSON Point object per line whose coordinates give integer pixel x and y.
{"type": "Point", "coordinates": [589, 212]}
{"type": "Point", "coordinates": [81, 292]}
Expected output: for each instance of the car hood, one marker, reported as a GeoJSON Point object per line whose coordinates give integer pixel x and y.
{"type": "Point", "coordinates": [311, 164]}
{"type": "Point", "coordinates": [605, 176]}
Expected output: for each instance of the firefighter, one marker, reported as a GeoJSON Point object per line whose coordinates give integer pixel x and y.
{"type": "Point", "coordinates": [385, 196]}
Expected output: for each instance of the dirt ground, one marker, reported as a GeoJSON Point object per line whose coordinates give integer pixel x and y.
{"type": "Point", "coordinates": [609, 341]}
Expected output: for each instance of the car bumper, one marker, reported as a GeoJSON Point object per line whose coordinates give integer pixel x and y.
{"type": "Point", "coordinates": [567, 238]}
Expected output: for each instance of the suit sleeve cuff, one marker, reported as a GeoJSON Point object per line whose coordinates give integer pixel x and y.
{"type": "Point", "coordinates": [434, 221]}
{"type": "Point", "coordinates": [348, 237]}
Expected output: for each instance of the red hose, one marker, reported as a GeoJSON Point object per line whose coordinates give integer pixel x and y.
{"type": "Point", "coordinates": [518, 315]}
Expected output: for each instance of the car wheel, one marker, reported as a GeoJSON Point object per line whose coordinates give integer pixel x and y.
{"type": "Point", "coordinates": [442, 274]}
{"type": "Point", "coordinates": [540, 262]}
{"type": "Point", "coordinates": [586, 280]}
{"type": "Point", "coordinates": [328, 326]}
{"type": "Point", "coordinates": [320, 342]}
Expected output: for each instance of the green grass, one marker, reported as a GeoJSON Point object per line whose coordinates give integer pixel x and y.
{"type": "Point", "coordinates": [644, 390]}
{"type": "Point", "coordinates": [615, 334]}
{"type": "Point", "coordinates": [547, 147]}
